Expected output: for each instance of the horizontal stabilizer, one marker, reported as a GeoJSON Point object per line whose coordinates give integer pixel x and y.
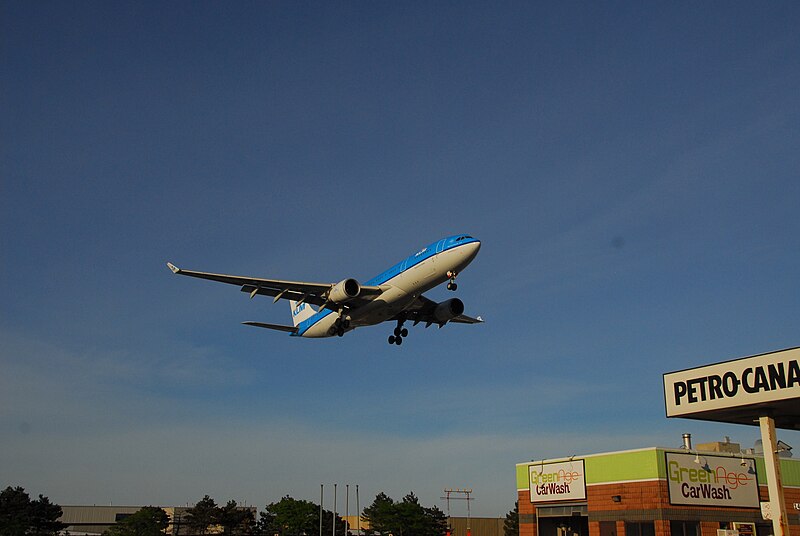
{"type": "Point", "coordinates": [288, 329]}
{"type": "Point", "coordinates": [464, 319]}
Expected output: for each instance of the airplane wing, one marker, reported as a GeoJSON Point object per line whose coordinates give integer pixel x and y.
{"type": "Point", "coordinates": [300, 291]}
{"type": "Point", "coordinates": [422, 311]}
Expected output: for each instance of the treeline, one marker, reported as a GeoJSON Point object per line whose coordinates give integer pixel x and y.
{"type": "Point", "coordinates": [296, 517]}
{"type": "Point", "coordinates": [21, 516]}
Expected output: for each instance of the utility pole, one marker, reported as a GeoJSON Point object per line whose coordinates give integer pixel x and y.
{"type": "Point", "coordinates": [466, 497]}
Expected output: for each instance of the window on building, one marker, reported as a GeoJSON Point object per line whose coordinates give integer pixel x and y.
{"type": "Point", "coordinates": [684, 528]}
{"type": "Point", "coordinates": [640, 529]}
{"type": "Point", "coordinates": [608, 528]}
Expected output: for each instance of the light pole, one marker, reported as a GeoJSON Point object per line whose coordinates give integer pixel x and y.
{"type": "Point", "coordinates": [334, 509]}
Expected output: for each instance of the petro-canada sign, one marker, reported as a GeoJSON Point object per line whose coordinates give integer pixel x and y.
{"type": "Point", "coordinates": [705, 480]}
{"type": "Point", "coordinates": [762, 379]}
{"type": "Point", "coordinates": [557, 481]}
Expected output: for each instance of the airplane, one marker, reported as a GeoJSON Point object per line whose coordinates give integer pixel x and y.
{"type": "Point", "coordinates": [394, 295]}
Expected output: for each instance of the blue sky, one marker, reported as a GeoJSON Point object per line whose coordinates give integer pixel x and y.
{"type": "Point", "coordinates": [631, 169]}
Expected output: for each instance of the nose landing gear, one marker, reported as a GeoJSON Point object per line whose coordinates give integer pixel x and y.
{"type": "Point", "coordinates": [451, 285]}
{"type": "Point", "coordinates": [399, 333]}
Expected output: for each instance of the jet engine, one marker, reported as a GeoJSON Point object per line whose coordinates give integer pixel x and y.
{"type": "Point", "coordinates": [344, 290]}
{"type": "Point", "coordinates": [448, 310]}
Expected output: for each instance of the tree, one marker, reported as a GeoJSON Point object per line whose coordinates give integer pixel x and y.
{"type": "Point", "coordinates": [147, 521]}
{"type": "Point", "coordinates": [293, 517]}
{"type": "Point", "coordinates": [380, 514]}
{"type": "Point", "coordinates": [21, 516]}
{"type": "Point", "coordinates": [511, 524]}
{"type": "Point", "coordinates": [405, 518]}
{"type": "Point", "coordinates": [202, 515]}
{"type": "Point", "coordinates": [44, 517]}
{"type": "Point", "coordinates": [234, 519]}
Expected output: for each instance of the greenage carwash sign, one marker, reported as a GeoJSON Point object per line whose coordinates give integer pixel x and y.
{"type": "Point", "coordinates": [557, 481]}
{"type": "Point", "coordinates": [712, 480]}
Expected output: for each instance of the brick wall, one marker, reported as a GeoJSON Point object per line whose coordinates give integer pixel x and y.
{"type": "Point", "coordinates": [649, 501]}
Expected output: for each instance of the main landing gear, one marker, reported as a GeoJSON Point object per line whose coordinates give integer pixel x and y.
{"type": "Point", "coordinates": [399, 333]}
{"type": "Point", "coordinates": [451, 285]}
{"type": "Point", "coordinates": [339, 326]}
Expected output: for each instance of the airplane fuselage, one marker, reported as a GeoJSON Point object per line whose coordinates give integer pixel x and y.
{"type": "Point", "coordinates": [402, 284]}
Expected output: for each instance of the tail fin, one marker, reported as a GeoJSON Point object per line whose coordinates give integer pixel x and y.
{"type": "Point", "coordinates": [301, 312]}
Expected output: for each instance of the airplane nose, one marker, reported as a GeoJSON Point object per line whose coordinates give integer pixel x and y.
{"type": "Point", "coordinates": [473, 249]}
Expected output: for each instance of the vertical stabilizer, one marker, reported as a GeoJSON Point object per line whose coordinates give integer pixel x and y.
{"type": "Point", "coordinates": [301, 312]}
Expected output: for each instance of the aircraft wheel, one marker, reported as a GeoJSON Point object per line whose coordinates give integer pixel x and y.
{"type": "Point", "coordinates": [397, 332]}
{"type": "Point", "coordinates": [340, 332]}
{"type": "Point", "coordinates": [332, 330]}
{"type": "Point", "coordinates": [391, 339]}
{"type": "Point", "coordinates": [404, 332]}
{"type": "Point", "coordinates": [346, 323]}
{"type": "Point", "coordinates": [454, 286]}
{"type": "Point", "coordinates": [398, 341]}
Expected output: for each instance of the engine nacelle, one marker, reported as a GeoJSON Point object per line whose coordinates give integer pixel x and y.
{"type": "Point", "coordinates": [448, 310]}
{"type": "Point", "coordinates": [344, 291]}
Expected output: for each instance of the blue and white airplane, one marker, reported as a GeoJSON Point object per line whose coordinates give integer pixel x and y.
{"type": "Point", "coordinates": [396, 294]}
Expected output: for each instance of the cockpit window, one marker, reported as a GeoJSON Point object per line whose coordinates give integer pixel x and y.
{"type": "Point", "coordinates": [462, 237]}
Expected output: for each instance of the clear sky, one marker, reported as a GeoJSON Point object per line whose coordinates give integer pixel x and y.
{"type": "Point", "coordinates": [631, 168]}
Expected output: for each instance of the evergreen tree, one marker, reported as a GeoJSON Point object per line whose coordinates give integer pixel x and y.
{"type": "Point", "coordinates": [380, 514]}
{"type": "Point", "coordinates": [405, 518]}
{"type": "Point", "coordinates": [511, 523]}
{"type": "Point", "coordinates": [234, 519]}
{"type": "Point", "coordinates": [44, 517]}
{"type": "Point", "coordinates": [21, 516]}
{"type": "Point", "coordinates": [202, 515]}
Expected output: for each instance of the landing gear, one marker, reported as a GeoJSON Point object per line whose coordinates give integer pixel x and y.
{"type": "Point", "coordinates": [339, 326]}
{"type": "Point", "coordinates": [399, 333]}
{"type": "Point", "coordinates": [451, 285]}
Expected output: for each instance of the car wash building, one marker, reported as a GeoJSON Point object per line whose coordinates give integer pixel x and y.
{"type": "Point", "coordinates": [651, 492]}
{"type": "Point", "coordinates": [713, 490]}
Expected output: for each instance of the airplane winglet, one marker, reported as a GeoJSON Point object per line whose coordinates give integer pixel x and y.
{"type": "Point", "coordinates": [174, 268]}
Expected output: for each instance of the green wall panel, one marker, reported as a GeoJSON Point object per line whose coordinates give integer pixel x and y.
{"type": "Point", "coordinates": [623, 466]}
